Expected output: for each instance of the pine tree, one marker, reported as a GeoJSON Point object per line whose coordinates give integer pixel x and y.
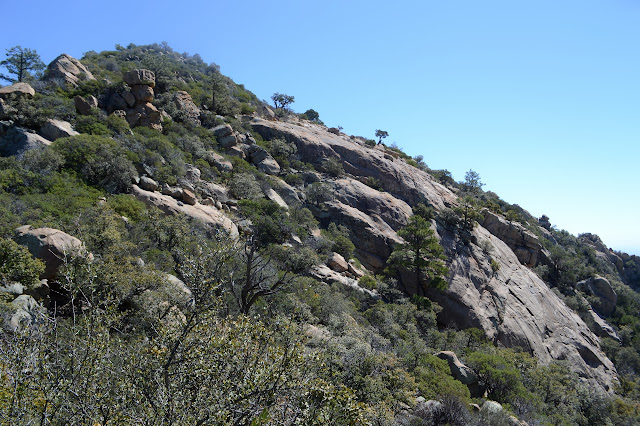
{"type": "Point", "coordinates": [20, 61]}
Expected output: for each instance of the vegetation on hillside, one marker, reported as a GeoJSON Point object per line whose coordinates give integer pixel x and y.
{"type": "Point", "coordinates": [260, 339]}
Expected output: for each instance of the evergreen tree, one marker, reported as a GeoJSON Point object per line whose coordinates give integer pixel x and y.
{"type": "Point", "coordinates": [421, 254]}
{"type": "Point", "coordinates": [19, 62]}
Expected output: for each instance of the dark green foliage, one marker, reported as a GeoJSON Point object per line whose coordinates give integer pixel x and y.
{"type": "Point", "coordinates": [421, 255]}
{"type": "Point", "coordinates": [381, 134]}
{"type": "Point", "coordinates": [332, 166]}
{"type": "Point", "coordinates": [17, 265]}
{"type": "Point", "coordinates": [99, 160]}
{"type": "Point", "coordinates": [126, 205]}
{"type": "Point", "coordinates": [469, 212]}
{"type": "Point", "coordinates": [472, 182]}
{"type": "Point", "coordinates": [20, 62]}
{"type": "Point", "coordinates": [281, 101]}
{"type": "Point", "coordinates": [340, 242]}
{"type": "Point", "coordinates": [281, 150]}
{"type": "Point", "coordinates": [312, 115]}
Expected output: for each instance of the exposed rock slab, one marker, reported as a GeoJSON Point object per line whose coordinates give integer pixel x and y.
{"type": "Point", "coordinates": [207, 214]}
{"type": "Point", "coordinates": [515, 308]}
{"type": "Point", "coordinates": [315, 143]}
{"type": "Point", "coordinates": [524, 244]}
{"type": "Point", "coordinates": [69, 70]}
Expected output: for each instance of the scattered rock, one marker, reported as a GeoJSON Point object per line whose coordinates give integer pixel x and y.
{"type": "Point", "coordinates": [263, 160]}
{"type": "Point", "coordinates": [85, 105]}
{"type": "Point", "coordinates": [600, 327]}
{"type": "Point", "coordinates": [189, 197]}
{"type": "Point", "coordinates": [273, 196]}
{"type": "Point", "coordinates": [333, 130]}
{"type": "Point", "coordinates": [337, 262]}
{"type": "Point", "coordinates": [192, 173]}
{"type": "Point", "coordinates": [222, 131]}
{"type": "Point", "coordinates": [17, 141]}
{"type": "Point", "coordinates": [218, 161]}
{"type": "Point", "coordinates": [145, 115]}
{"type": "Point", "coordinates": [461, 372]}
{"type": "Point", "coordinates": [17, 89]}
{"type": "Point", "coordinates": [69, 70]}
{"type": "Point", "coordinates": [237, 151]}
{"type": "Point", "coordinates": [56, 129]}
{"type": "Point", "coordinates": [148, 184]}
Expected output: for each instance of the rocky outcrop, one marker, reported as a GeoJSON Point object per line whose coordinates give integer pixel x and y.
{"type": "Point", "coordinates": [218, 161]}
{"type": "Point", "coordinates": [50, 245]}
{"type": "Point", "coordinates": [602, 251]}
{"type": "Point", "coordinates": [523, 243]}
{"type": "Point", "coordinates": [17, 141]}
{"type": "Point", "coordinates": [600, 327]}
{"type": "Point", "coordinates": [207, 214]}
{"type": "Point", "coordinates": [16, 89]}
{"type": "Point", "coordinates": [187, 110]}
{"type": "Point", "coordinates": [515, 308]}
{"type": "Point", "coordinates": [136, 102]}
{"type": "Point", "coordinates": [314, 145]}
{"type": "Point", "coordinates": [224, 135]}
{"type": "Point", "coordinates": [512, 305]}
{"type": "Point", "coordinates": [606, 296]}
{"type": "Point", "coordinates": [68, 70]}
{"type": "Point", "coordinates": [56, 129]}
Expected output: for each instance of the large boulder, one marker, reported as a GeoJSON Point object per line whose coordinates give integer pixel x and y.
{"type": "Point", "coordinates": [17, 141]}
{"type": "Point", "coordinates": [145, 115]}
{"type": "Point", "coordinates": [56, 129]}
{"type": "Point", "coordinates": [69, 70]}
{"type": "Point", "coordinates": [140, 77]}
{"type": "Point", "coordinates": [218, 161]}
{"type": "Point", "coordinates": [207, 214]}
{"type": "Point", "coordinates": [17, 89]}
{"type": "Point", "coordinates": [85, 105]}
{"type": "Point", "coordinates": [141, 93]}
{"type": "Point", "coordinates": [50, 245]}
{"type": "Point", "coordinates": [601, 288]}
{"type": "Point", "coordinates": [337, 262]}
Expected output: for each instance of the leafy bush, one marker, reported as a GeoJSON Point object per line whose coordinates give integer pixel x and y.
{"type": "Point", "coordinates": [17, 265]}
{"type": "Point", "coordinates": [100, 161]}
{"type": "Point", "coordinates": [245, 186]}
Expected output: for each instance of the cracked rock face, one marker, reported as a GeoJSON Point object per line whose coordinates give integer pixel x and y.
{"type": "Point", "coordinates": [512, 305]}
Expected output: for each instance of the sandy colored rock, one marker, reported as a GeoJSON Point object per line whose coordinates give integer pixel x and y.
{"type": "Point", "coordinates": [524, 244]}
{"type": "Point", "coordinates": [85, 105]}
{"type": "Point", "coordinates": [68, 69]}
{"type": "Point", "coordinates": [56, 129]}
{"type": "Point", "coordinates": [207, 214]}
{"type": "Point", "coordinates": [337, 263]}
{"type": "Point", "coordinates": [142, 93]}
{"type": "Point", "coordinates": [50, 245]}
{"type": "Point", "coordinates": [140, 76]}
{"type": "Point", "coordinates": [601, 288]}
{"type": "Point", "coordinates": [17, 89]}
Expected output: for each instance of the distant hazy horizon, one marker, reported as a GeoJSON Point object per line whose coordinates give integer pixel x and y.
{"type": "Point", "coordinates": [541, 99]}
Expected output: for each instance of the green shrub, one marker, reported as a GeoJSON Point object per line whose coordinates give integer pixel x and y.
{"type": "Point", "coordinates": [333, 166]}
{"type": "Point", "coordinates": [17, 265]}
{"type": "Point", "coordinates": [100, 161]}
{"type": "Point", "coordinates": [91, 125]}
{"type": "Point", "coordinates": [128, 206]}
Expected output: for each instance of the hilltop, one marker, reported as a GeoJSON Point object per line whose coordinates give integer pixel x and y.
{"type": "Point", "coordinates": [230, 261]}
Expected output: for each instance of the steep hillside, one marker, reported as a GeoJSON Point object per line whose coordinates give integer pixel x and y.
{"type": "Point", "coordinates": [232, 263]}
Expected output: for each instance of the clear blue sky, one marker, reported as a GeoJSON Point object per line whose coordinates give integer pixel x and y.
{"type": "Point", "coordinates": [541, 98]}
